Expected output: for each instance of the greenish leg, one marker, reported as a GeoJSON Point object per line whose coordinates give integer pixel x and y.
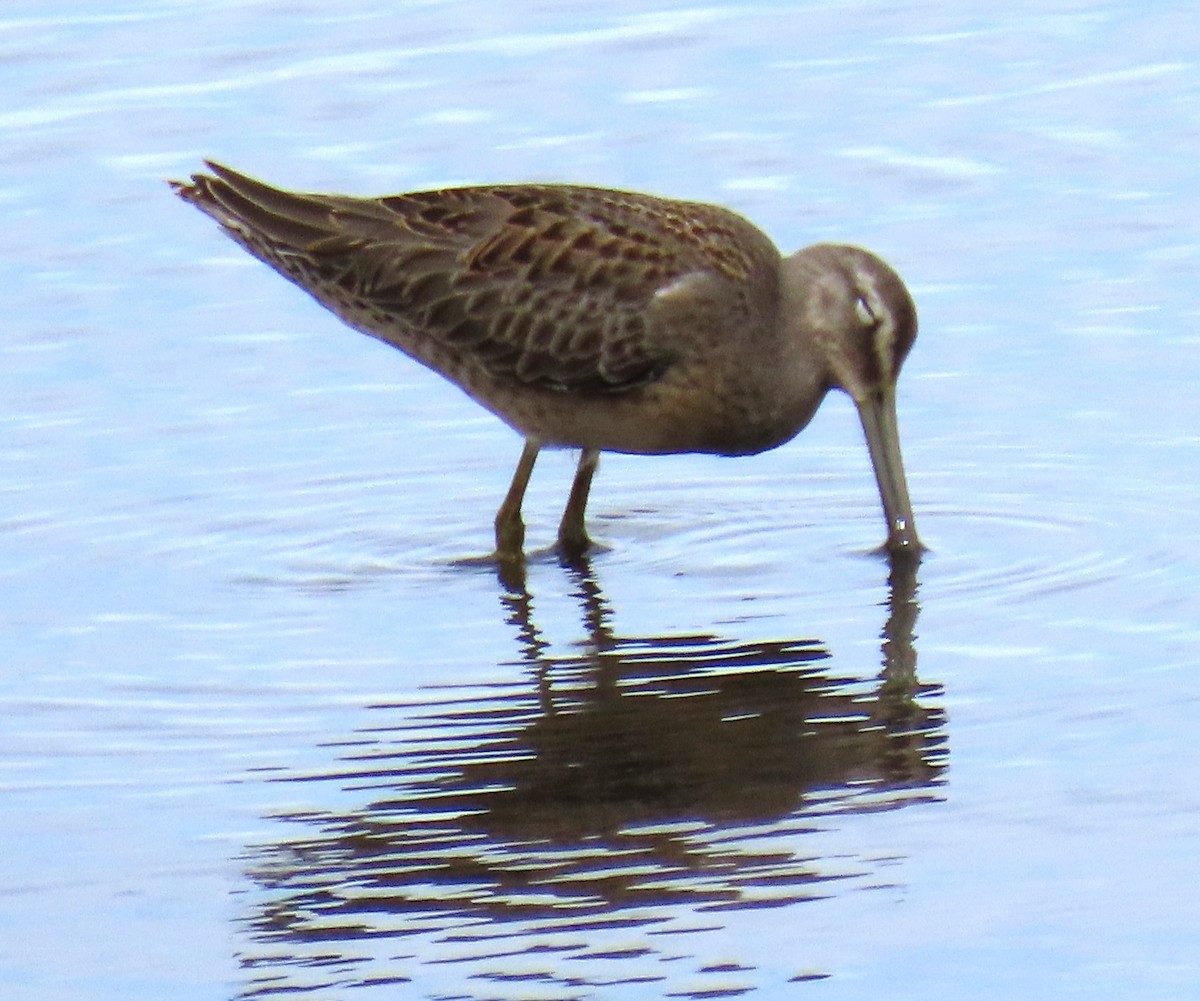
{"type": "Point", "coordinates": [572, 532]}
{"type": "Point", "coordinates": [510, 529]}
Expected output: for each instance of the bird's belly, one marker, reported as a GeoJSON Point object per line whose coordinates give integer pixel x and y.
{"type": "Point", "coordinates": [721, 409]}
{"type": "Point", "coordinates": [654, 420]}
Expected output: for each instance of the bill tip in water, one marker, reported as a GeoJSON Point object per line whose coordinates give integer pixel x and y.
{"type": "Point", "coordinates": [903, 540]}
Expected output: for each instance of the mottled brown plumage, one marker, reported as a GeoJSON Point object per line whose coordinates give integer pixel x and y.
{"type": "Point", "coordinates": [597, 319]}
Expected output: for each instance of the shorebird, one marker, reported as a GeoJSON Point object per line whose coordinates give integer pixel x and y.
{"type": "Point", "coordinates": [596, 319]}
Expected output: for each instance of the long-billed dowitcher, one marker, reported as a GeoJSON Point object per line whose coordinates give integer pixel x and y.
{"type": "Point", "coordinates": [596, 319]}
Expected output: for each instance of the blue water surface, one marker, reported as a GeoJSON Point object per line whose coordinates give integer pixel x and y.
{"type": "Point", "coordinates": [267, 730]}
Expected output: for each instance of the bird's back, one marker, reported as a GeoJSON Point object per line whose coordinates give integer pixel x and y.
{"type": "Point", "coordinates": [548, 286]}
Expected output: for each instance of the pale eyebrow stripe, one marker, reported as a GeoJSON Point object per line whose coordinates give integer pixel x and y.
{"type": "Point", "coordinates": [884, 340]}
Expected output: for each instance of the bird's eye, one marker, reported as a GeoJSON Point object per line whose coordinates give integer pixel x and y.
{"type": "Point", "coordinates": [863, 311]}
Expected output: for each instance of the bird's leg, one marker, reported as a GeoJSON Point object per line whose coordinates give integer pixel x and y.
{"type": "Point", "coordinates": [510, 529]}
{"type": "Point", "coordinates": [572, 532]}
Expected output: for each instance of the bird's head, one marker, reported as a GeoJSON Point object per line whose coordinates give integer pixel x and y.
{"type": "Point", "coordinates": [856, 315]}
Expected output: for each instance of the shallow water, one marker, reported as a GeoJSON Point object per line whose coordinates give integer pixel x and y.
{"type": "Point", "coordinates": [268, 732]}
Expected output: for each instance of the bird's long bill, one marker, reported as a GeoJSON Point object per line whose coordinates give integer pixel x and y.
{"type": "Point", "coordinates": [878, 414]}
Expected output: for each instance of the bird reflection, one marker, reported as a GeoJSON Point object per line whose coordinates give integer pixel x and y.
{"type": "Point", "coordinates": [624, 776]}
{"type": "Point", "coordinates": [638, 729]}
